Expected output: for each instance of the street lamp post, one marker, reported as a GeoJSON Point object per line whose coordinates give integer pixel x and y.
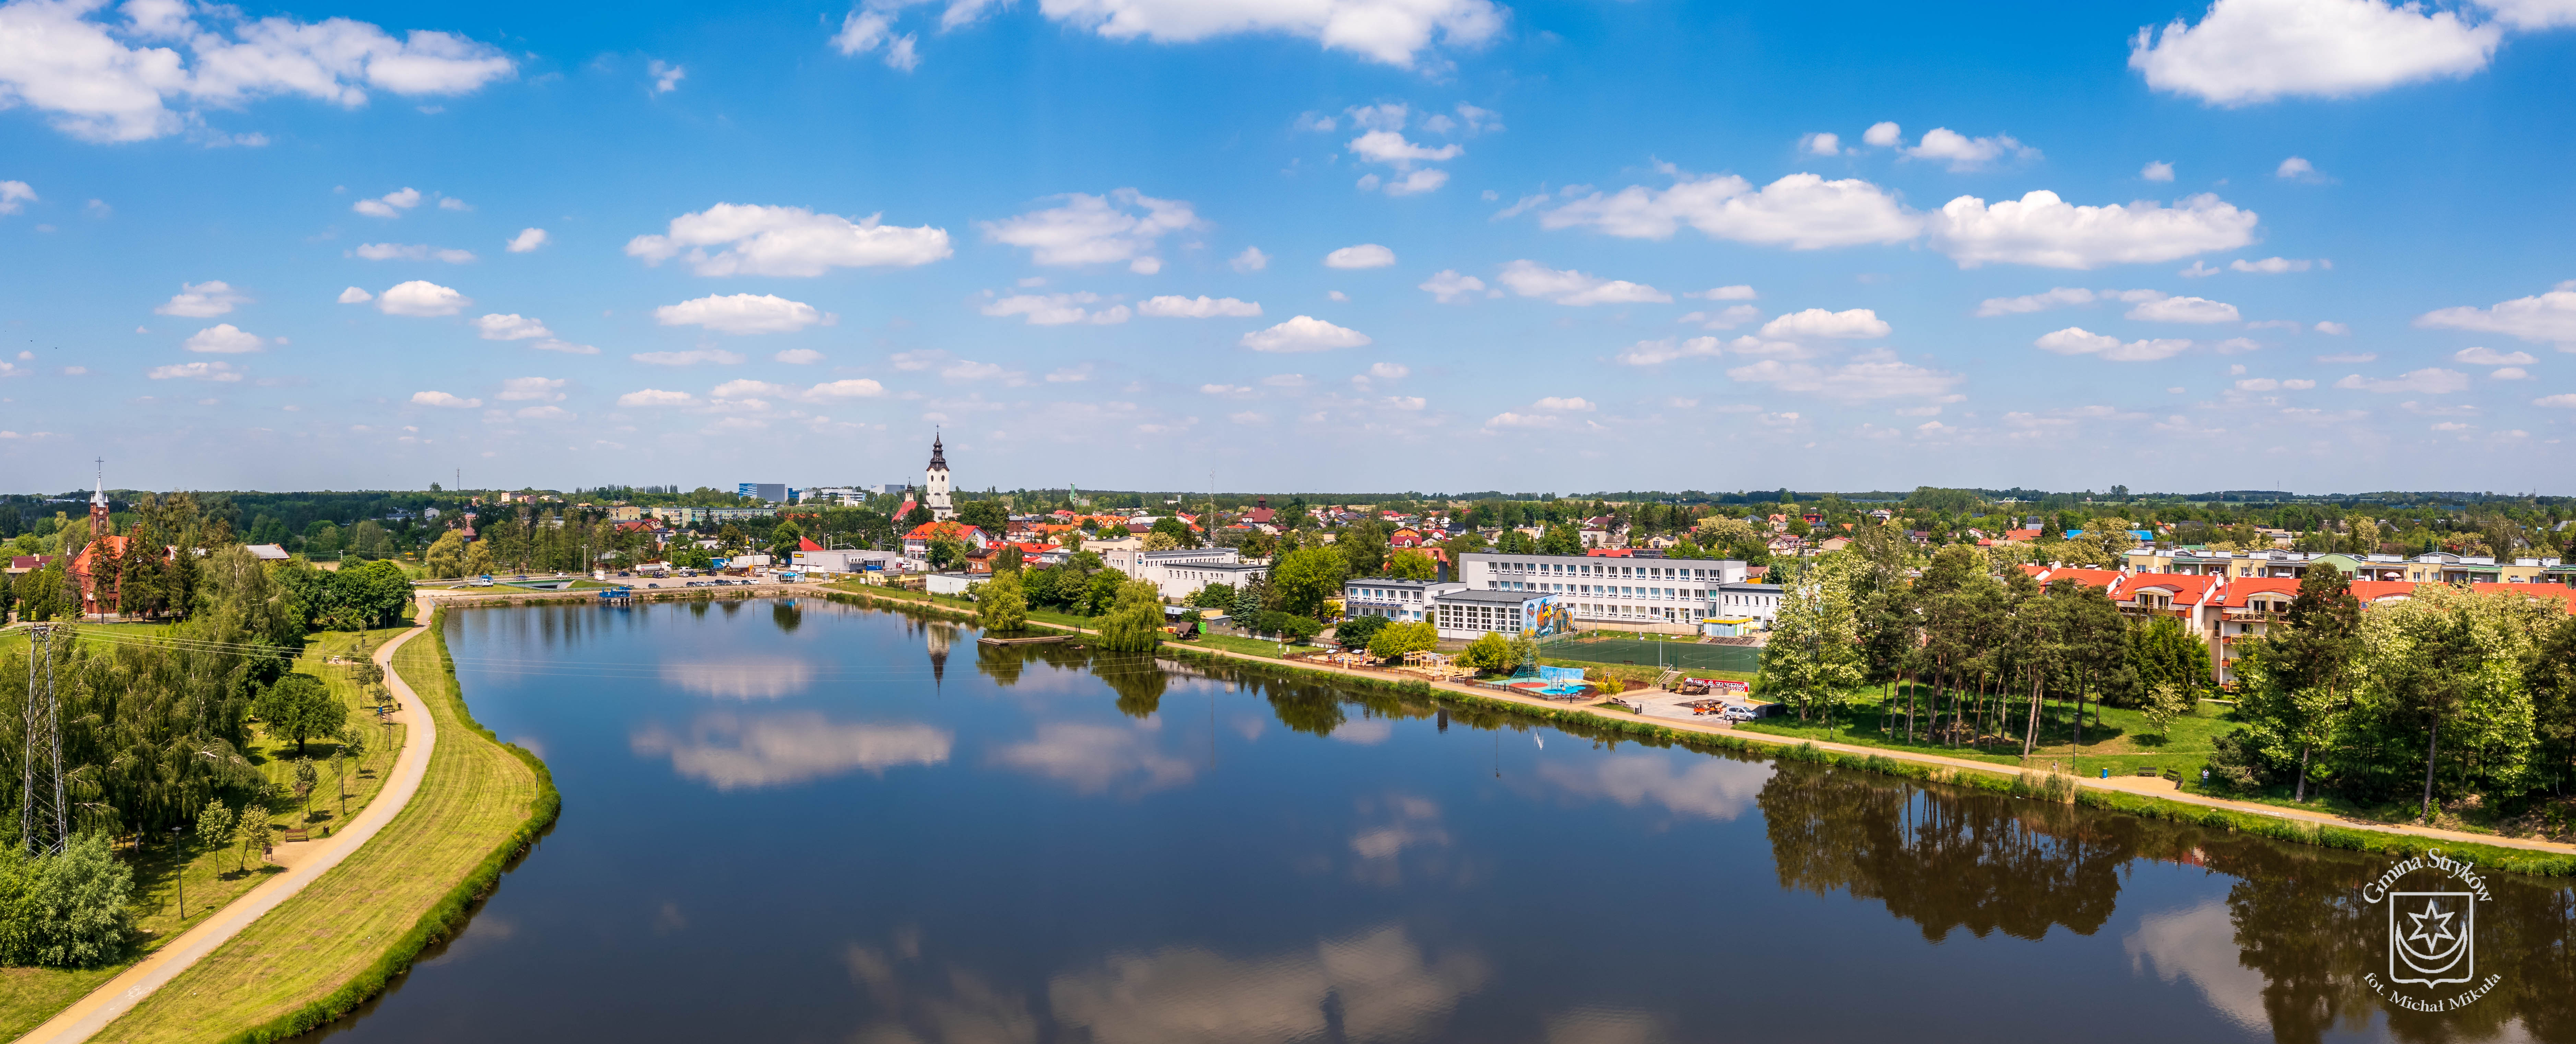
{"type": "Point", "coordinates": [179, 872]}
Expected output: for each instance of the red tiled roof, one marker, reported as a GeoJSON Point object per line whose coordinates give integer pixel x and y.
{"type": "Point", "coordinates": [2105, 579]}
{"type": "Point", "coordinates": [807, 544]}
{"type": "Point", "coordinates": [2564, 594]}
{"type": "Point", "coordinates": [2186, 588]}
{"type": "Point", "coordinates": [2375, 590]}
{"type": "Point", "coordinates": [2243, 589]}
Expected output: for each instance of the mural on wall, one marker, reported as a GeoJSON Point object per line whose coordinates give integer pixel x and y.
{"type": "Point", "coordinates": [1552, 618]}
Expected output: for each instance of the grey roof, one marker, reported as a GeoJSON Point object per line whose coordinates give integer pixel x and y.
{"type": "Point", "coordinates": [1751, 587]}
{"type": "Point", "coordinates": [1496, 597]}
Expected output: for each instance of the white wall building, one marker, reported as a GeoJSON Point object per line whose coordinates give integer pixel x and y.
{"type": "Point", "coordinates": [1180, 572]}
{"type": "Point", "coordinates": [1746, 601]}
{"type": "Point", "coordinates": [1670, 595]}
{"type": "Point", "coordinates": [1470, 614]}
{"type": "Point", "coordinates": [1404, 601]}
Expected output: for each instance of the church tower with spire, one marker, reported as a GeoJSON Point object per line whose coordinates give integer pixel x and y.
{"type": "Point", "coordinates": [934, 482]}
{"type": "Point", "coordinates": [99, 525]}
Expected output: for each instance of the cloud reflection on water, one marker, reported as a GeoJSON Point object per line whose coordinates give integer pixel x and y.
{"type": "Point", "coordinates": [763, 679]}
{"type": "Point", "coordinates": [2199, 943]}
{"type": "Point", "coordinates": [1381, 982]}
{"type": "Point", "coordinates": [1711, 788]}
{"type": "Point", "coordinates": [1095, 757]}
{"type": "Point", "coordinates": [733, 752]}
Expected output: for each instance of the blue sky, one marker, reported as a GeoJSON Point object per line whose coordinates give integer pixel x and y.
{"type": "Point", "coordinates": [1301, 244]}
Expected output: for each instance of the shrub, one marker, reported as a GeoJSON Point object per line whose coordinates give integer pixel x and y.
{"type": "Point", "coordinates": [66, 910]}
{"type": "Point", "coordinates": [1356, 631]}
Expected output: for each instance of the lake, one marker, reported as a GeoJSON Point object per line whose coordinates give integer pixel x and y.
{"type": "Point", "coordinates": [809, 821]}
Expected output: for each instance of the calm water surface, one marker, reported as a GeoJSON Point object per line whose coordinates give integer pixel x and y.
{"type": "Point", "coordinates": [812, 822]}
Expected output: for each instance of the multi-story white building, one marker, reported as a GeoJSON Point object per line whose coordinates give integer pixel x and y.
{"type": "Point", "coordinates": [1670, 595]}
{"type": "Point", "coordinates": [1746, 601]}
{"type": "Point", "coordinates": [1180, 572]}
{"type": "Point", "coordinates": [1405, 601]}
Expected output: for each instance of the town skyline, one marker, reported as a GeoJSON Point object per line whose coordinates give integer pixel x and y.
{"type": "Point", "coordinates": [1468, 244]}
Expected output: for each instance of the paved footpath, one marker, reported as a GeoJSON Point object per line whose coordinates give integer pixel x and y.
{"type": "Point", "coordinates": [92, 1013]}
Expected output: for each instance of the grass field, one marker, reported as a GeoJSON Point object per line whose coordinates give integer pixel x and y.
{"type": "Point", "coordinates": [2123, 741]}
{"type": "Point", "coordinates": [1247, 646]}
{"type": "Point", "coordinates": [466, 818]}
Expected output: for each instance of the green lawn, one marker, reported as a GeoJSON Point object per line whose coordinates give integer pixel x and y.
{"type": "Point", "coordinates": [1250, 646]}
{"type": "Point", "coordinates": [29, 996]}
{"type": "Point", "coordinates": [475, 800]}
{"type": "Point", "coordinates": [2123, 741]}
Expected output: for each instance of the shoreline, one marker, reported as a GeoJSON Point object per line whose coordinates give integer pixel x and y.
{"type": "Point", "coordinates": [2117, 794]}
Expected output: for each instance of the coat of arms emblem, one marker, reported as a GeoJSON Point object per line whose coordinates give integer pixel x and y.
{"type": "Point", "coordinates": [2432, 937]}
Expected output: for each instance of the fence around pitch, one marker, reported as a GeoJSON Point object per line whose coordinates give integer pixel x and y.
{"type": "Point", "coordinates": [1677, 655]}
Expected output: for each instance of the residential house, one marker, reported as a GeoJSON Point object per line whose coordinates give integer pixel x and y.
{"type": "Point", "coordinates": [916, 544]}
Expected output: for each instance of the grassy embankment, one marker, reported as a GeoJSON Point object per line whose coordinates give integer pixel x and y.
{"type": "Point", "coordinates": [29, 996]}
{"type": "Point", "coordinates": [346, 936]}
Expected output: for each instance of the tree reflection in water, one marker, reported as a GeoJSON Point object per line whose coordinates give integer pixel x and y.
{"type": "Point", "coordinates": [786, 616]}
{"type": "Point", "coordinates": [1948, 859]}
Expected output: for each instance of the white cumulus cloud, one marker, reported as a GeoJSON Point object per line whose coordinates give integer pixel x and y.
{"type": "Point", "coordinates": [1654, 353]}
{"type": "Point", "coordinates": [1448, 287]}
{"type": "Point", "coordinates": [528, 239]}
{"type": "Point", "coordinates": [2156, 170]}
{"type": "Point", "coordinates": [1304, 333]}
{"type": "Point", "coordinates": [2076, 340]}
{"type": "Point", "coordinates": [2492, 357]}
{"type": "Point", "coordinates": [353, 295]}
{"type": "Point", "coordinates": [2042, 229]}
{"type": "Point", "coordinates": [785, 241]}
{"type": "Point", "coordinates": [532, 389]}
{"type": "Point", "coordinates": [798, 356]}
{"type": "Point", "coordinates": [1364, 255]}
{"type": "Point", "coordinates": [389, 205]}
{"type": "Point", "coordinates": [1857, 323]}
{"type": "Point", "coordinates": [656, 397]}
{"type": "Point", "coordinates": [511, 327]}
{"type": "Point", "coordinates": [203, 300]}
{"type": "Point", "coordinates": [1963, 153]}
{"type": "Point", "coordinates": [2249, 51]}
{"type": "Point", "coordinates": [1390, 31]}
{"type": "Point", "coordinates": [2184, 310]}
{"type": "Point", "coordinates": [2431, 380]}
{"type": "Point", "coordinates": [2549, 317]}
{"type": "Point", "coordinates": [1122, 226]}
{"type": "Point", "coordinates": [1873, 375]}
{"type": "Point", "coordinates": [1569, 287]}
{"type": "Point", "coordinates": [1800, 211]}
{"type": "Point", "coordinates": [444, 400]}
{"type": "Point", "coordinates": [1250, 260]}
{"type": "Point", "coordinates": [1201, 307]}
{"type": "Point", "coordinates": [1058, 309]}
{"type": "Point", "coordinates": [196, 371]}
{"type": "Point", "coordinates": [742, 314]}
{"type": "Point", "coordinates": [14, 195]}
{"type": "Point", "coordinates": [223, 338]}
{"type": "Point", "coordinates": [421, 298]}
{"type": "Point", "coordinates": [411, 252]}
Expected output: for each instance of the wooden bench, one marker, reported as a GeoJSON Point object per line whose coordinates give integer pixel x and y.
{"type": "Point", "coordinates": [299, 835]}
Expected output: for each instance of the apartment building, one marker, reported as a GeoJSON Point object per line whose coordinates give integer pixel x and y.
{"type": "Point", "coordinates": [2440, 567]}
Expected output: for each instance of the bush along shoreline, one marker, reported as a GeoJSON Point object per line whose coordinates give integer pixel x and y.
{"type": "Point", "coordinates": [2023, 784]}
{"type": "Point", "coordinates": [448, 917]}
